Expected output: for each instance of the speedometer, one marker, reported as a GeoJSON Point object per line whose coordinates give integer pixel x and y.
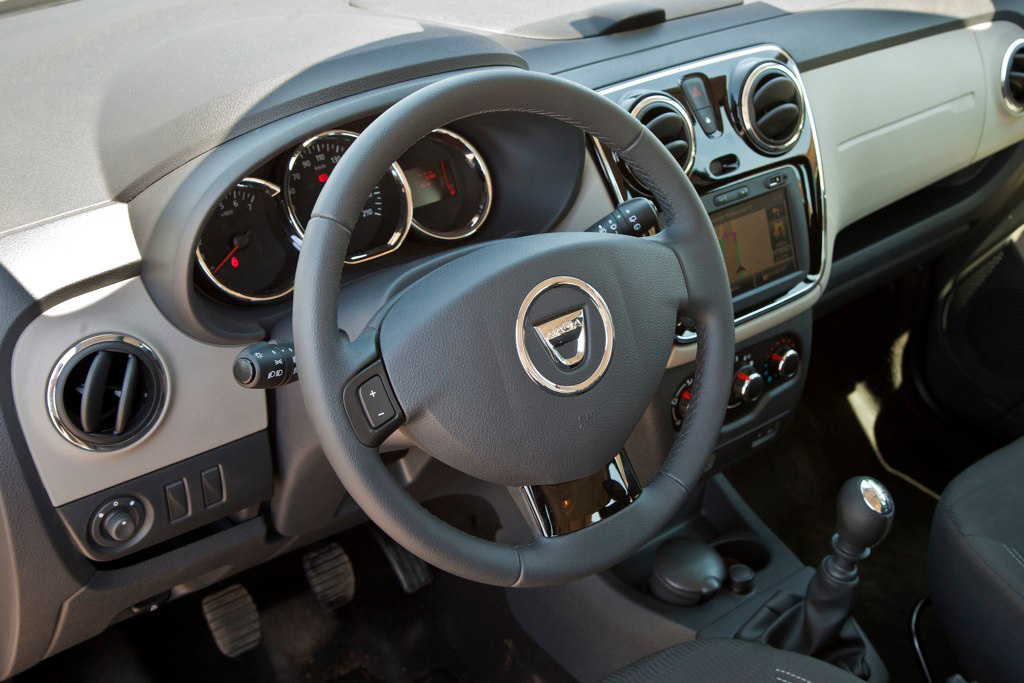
{"type": "Point", "coordinates": [386, 216]}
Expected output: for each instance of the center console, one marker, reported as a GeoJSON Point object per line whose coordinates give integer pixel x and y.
{"type": "Point", "coordinates": [740, 127]}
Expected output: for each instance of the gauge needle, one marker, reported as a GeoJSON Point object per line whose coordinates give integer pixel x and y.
{"type": "Point", "coordinates": [450, 184]}
{"type": "Point", "coordinates": [240, 241]}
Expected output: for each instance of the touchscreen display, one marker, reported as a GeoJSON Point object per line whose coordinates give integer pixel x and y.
{"type": "Point", "coordinates": [756, 240]}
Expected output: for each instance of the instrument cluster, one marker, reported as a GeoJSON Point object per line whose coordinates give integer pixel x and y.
{"type": "Point", "coordinates": [439, 190]}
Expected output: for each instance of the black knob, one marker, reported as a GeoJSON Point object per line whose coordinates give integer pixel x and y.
{"type": "Point", "coordinates": [244, 371]}
{"type": "Point", "coordinates": [785, 362]}
{"type": "Point", "coordinates": [748, 385]}
{"type": "Point", "coordinates": [741, 579]}
{"type": "Point", "coordinates": [864, 512]}
{"type": "Point", "coordinates": [120, 525]}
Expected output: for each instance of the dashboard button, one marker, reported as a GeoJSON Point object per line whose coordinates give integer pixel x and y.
{"type": "Point", "coordinates": [374, 399]}
{"type": "Point", "coordinates": [176, 494]}
{"type": "Point", "coordinates": [695, 93]}
{"type": "Point", "coordinates": [706, 119]}
{"type": "Point", "coordinates": [775, 180]}
{"type": "Point", "coordinates": [213, 486]}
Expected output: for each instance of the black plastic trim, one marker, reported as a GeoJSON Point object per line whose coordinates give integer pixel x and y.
{"type": "Point", "coordinates": [246, 475]}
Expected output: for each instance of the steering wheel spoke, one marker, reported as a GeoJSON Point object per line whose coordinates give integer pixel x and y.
{"type": "Point", "coordinates": [559, 509]}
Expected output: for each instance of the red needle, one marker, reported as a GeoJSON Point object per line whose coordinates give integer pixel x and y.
{"type": "Point", "coordinates": [230, 254]}
{"type": "Point", "coordinates": [451, 187]}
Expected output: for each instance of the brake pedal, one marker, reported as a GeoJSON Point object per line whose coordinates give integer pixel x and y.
{"type": "Point", "coordinates": [412, 572]}
{"type": "Point", "coordinates": [233, 619]}
{"type": "Point", "coordinates": [330, 576]}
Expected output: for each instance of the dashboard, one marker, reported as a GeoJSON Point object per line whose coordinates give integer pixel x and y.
{"type": "Point", "coordinates": [829, 146]}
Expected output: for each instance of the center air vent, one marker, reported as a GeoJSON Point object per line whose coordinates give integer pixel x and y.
{"type": "Point", "coordinates": [772, 108]}
{"type": "Point", "coordinates": [1012, 76]}
{"type": "Point", "coordinates": [671, 124]}
{"type": "Point", "coordinates": [106, 392]}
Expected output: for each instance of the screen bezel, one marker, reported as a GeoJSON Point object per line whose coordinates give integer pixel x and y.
{"type": "Point", "coordinates": [797, 212]}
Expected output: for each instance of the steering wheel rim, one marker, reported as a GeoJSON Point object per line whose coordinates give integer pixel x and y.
{"type": "Point", "coordinates": [328, 359]}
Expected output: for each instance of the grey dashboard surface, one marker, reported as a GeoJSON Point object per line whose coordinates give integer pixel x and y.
{"type": "Point", "coordinates": [99, 98]}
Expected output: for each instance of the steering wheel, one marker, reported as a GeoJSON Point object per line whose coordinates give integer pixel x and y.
{"type": "Point", "coordinates": [481, 391]}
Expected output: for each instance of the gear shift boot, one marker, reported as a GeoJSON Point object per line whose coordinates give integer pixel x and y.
{"type": "Point", "coordinates": [819, 623]}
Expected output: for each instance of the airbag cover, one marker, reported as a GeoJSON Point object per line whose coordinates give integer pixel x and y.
{"type": "Point", "coordinates": [449, 346]}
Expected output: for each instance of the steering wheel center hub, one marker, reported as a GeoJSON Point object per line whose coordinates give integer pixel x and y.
{"type": "Point", "coordinates": [578, 339]}
{"type": "Point", "coordinates": [554, 399]}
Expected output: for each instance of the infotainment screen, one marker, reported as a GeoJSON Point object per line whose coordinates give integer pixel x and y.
{"type": "Point", "coordinates": [757, 241]}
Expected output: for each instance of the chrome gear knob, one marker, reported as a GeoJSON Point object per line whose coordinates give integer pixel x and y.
{"type": "Point", "coordinates": [864, 512]}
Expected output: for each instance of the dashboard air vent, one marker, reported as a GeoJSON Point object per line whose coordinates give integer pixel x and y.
{"type": "Point", "coordinates": [1012, 77]}
{"type": "Point", "coordinates": [106, 392]}
{"type": "Point", "coordinates": [772, 108]}
{"type": "Point", "coordinates": [671, 124]}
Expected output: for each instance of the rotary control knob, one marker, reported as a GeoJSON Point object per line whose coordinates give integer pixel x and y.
{"type": "Point", "coordinates": [120, 526]}
{"type": "Point", "coordinates": [785, 362]}
{"type": "Point", "coordinates": [748, 385]}
{"type": "Point", "coordinates": [118, 522]}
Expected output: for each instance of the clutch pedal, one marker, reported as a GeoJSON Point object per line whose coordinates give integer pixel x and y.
{"type": "Point", "coordinates": [412, 572]}
{"type": "Point", "coordinates": [330, 576]}
{"type": "Point", "coordinates": [233, 619]}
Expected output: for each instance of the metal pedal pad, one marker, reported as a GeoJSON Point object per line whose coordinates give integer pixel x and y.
{"type": "Point", "coordinates": [412, 572]}
{"type": "Point", "coordinates": [330, 576]}
{"type": "Point", "coordinates": [233, 619]}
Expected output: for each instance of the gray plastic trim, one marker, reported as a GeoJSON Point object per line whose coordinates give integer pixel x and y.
{"type": "Point", "coordinates": [208, 409]}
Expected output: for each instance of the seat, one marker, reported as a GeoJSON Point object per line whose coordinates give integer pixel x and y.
{"type": "Point", "coordinates": [976, 564]}
{"type": "Point", "coordinates": [720, 660]}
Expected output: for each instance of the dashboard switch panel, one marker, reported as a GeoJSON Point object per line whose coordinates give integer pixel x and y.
{"type": "Point", "coordinates": [158, 506]}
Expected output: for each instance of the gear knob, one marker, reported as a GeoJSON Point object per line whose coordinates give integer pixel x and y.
{"type": "Point", "coordinates": [864, 512]}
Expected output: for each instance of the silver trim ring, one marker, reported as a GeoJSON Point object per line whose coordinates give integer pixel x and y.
{"type": "Point", "coordinates": [606, 321]}
{"type": "Point", "coordinates": [404, 221]}
{"type": "Point", "coordinates": [53, 383]}
{"type": "Point", "coordinates": [477, 163]}
{"type": "Point", "coordinates": [1004, 72]}
{"type": "Point", "coordinates": [262, 186]}
{"type": "Point", "coordinates": [747, 114]}
{"type": "Point", "coordinates": [676, 106]}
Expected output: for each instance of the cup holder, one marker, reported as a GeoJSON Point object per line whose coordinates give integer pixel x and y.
{"type": "Point", "coordinates": [743, 548]}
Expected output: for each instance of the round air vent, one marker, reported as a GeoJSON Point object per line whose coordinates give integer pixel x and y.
{"type": "Point", "coordinates": [106, 392]}
{"type": "Point", "coordinates": [671, 124]}
{"type": "Point", "coordinates": [1012, 77]}
{"type": "Point", "coordinates": [772, 108]}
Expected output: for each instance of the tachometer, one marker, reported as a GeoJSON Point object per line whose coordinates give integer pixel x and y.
{"type": "Point", "coordinates": [387, 215]}
{"type": "Point", "coordinates": [246, 248]}
{"type": "Point", "coordinates": [450, 185]}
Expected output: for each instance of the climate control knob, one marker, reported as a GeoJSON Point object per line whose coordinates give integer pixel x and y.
{"type": "Point", "coordinates": [748, 385]}
{"type": "Point", "coordinates": [785, 362]}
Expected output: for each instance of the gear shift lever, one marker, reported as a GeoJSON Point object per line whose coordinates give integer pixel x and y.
{"type": "Point", "coordinates": [816, 624]}
{"type": "Point", "coordinates": [864, 515]}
